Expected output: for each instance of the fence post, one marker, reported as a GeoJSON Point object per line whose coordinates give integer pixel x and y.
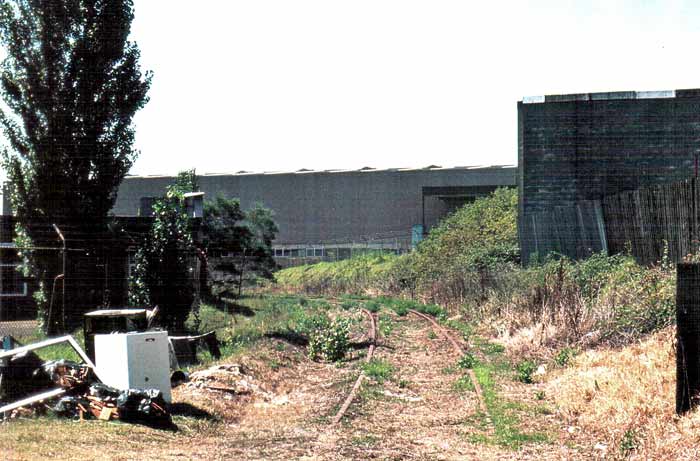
{"type": "Point", "coordinates": [688, 336]}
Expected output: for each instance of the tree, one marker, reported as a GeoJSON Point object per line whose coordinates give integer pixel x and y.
{"type": "Point", "coordinates": [71, 83]}
{"type": "Point", "coordinates": [164, 260]}
{"type": "Point", "coordinates": [261, 222]}
{"type": "Point", "coordinates": [237, 243]}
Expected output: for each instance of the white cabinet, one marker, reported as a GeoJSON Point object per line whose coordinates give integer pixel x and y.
{"type": "Point", "coordinates": [134, 361]}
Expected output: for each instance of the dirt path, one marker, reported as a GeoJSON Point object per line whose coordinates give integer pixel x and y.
{"type": "Point", "coordinates": [414, 411]}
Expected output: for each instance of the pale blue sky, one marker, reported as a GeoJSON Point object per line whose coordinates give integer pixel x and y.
{"type": "Point", "coordinates": [282, 85]}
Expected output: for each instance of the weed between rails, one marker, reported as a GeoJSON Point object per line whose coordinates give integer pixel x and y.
{"type": "Point", "coordinates": [379, 370]}
{"type": "Point", "coordinates": [501, 425]}
{"type": "Point", "coordinates": [502, 414]}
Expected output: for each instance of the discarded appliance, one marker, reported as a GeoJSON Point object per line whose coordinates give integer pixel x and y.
{"type": "Point", "coordinates": [185, 347]}
{"type": "Point", "coordinates": [134, 360]}
{"type": "Point", "coordinates": [112, 321]}
{"type": "Point", "coordinates": [78, 388]}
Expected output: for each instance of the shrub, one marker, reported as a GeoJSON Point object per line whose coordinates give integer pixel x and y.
{"type": "Point", "coordinates": [329, 340]}
{"type": "Point", "coordinates": [467, 361]}
{"type": "Point", "coordinates": [637, 301]}
{"type": "Point", "coordinates": [525, 370]}
{"type": "Point", "coordinates": [564, 356]}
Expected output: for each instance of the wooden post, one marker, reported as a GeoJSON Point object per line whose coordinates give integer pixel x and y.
{"type": "Point", "coordinates": [688, 336]}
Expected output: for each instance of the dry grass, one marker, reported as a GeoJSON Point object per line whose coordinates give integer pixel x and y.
{"type": "Point", "coordinates": [415, 412]}
{"type": "Point", "coordinates": [623, 402]}
{"type": "Point", "coordinates": [609, 404]}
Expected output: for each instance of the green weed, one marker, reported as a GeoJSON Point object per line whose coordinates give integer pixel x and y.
{"type": "Point", "coordinates": [373, 306]}
{"type": "Point", "coordinates": [630, 441]}
{"type": "Point", "coordinates": [463, 384]}
{"type": "Point", "coordinates": [564, 356]}
{"type": "Point", "coordinates": [467, 361]}
{"type": "Point", "coordinates": [328, 340]}
{"type": "Point", "coordinates": [378, 369]}
{"type": "Point", "coordinates": [525, 370]}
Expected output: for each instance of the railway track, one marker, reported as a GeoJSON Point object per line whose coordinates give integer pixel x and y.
{"type": "Point", "coordinates": [373, 334]}
{"type": "Point", "coordinates": [459, 350]}
{"type": "Point", "coordinates": [353, 392]}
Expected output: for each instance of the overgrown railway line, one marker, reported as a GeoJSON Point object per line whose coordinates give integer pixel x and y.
{"type": "Point", "coordinates": [373, 334]}
{"type": "Point", "coordinates": [373, 337]}
{"type": "Point", "coordinates": [460, 351]}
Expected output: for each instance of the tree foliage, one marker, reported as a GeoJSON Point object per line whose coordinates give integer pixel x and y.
{"type": "Point", "coordinates": [163, 273]}
{"type": "Point", "coordinates": [71, 83]}
{"type": "Point", "coordinates": [480, 235]}
{"type": "Point", "coordinates": [238, 243]}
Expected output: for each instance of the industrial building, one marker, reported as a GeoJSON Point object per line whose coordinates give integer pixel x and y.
{"type": "Point", "coordinates": [321, 215]}
{"type": "Point", "coordinates": [575, 150]}
{"type": "Point", "coordinates": [330, 214]}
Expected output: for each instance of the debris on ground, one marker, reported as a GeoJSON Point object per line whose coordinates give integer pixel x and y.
{"type": "Point", "coordinates": [74, 389]}
{"type": "Point", "coordinates": [185, 347]}
{"type": "Point", "coordinates": [231, 379]}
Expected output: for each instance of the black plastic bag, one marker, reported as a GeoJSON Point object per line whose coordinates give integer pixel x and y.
{"type": "Point", "coordinates": [143, 406]}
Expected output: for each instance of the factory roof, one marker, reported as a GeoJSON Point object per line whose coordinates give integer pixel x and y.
{"type": "Point", "coordinates": [360, 170]}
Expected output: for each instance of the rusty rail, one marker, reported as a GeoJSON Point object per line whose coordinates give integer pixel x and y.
{"type": "Point", "coordinates": [358, 383]}
{"type": "Point", "coordinates": [460, 351]}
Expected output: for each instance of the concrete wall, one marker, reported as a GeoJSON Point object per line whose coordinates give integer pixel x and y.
{"type": "Point", "coordinates": [328, 207]}
{"type": "Point", "coordinates": [577, 148]}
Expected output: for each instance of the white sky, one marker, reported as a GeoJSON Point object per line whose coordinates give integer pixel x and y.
{"type": "Point", "coordinates": [281, 85]}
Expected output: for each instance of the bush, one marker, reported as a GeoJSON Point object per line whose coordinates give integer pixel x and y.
{"type": "Point", "coordinates": [564, 356]}
{"type": "Point", "coordinates": [467, 361]}
{"type": "Point", "coordinates": [329, 340]}
{"type": "Point", "coordinates": [525, 370]}
{"type": "Point", "coordinates": [637, 301]}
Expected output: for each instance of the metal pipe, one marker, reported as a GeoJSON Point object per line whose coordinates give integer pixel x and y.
{"type": "Point", "coordinates": [53, 292]}
{"type": "Point", "coordinates": [63, 285]}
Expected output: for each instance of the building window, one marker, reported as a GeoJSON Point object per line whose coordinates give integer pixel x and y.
{"type": "Point", "coordinates": [318, 252]}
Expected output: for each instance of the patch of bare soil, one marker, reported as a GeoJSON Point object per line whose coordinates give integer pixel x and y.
{"type": "Point", "coordinates": [273, 403]}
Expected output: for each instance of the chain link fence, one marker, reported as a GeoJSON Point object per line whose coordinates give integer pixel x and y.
{"type": "Point", "coordinates": [19, 328]}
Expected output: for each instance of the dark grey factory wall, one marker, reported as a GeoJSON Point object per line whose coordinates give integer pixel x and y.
{"type": "Point", "coordinates": [323, 207]}
{"type": "Point", "coordinates": [574, 151]}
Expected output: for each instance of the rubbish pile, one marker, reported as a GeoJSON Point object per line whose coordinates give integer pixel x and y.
{"type": "Point", "coordinates": [70, 389]}
{"type": "Point", "coordinates": [229, 379]}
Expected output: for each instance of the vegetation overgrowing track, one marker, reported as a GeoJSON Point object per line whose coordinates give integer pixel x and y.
{"type": "Point", "coordinates": [460, 351]}
{"type": "Point", "coordinates": [373, 334]}
{"type": "Point", "coordinates": [358, 383]}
